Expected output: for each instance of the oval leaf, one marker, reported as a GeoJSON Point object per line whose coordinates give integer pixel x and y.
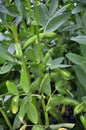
{"type": "Point", "coordinates": [53, 7]}
{"type": "Point", "coordinates": [43, 14]}
{"type": "Point", "coordinates": [35, 127]}
{"type": "Point", "coordinates": [81, 75]}
{"type": "Point", "coordinates": [12, 88]}
{"type": "Point", "coordinates": [56, 22]}
{"type": "Point", "coordinates": [25, 78]}
{"type": "Point", "coordinates": [78, 9]}
{"type": "Point", "coordinates": [77, 59]}
{"type": "Point", "coordinates": [80, 39]}
{"type": "Point", "coordinates": [32, 113]}
{"type": "Point", "coordinates": [24, 107]}
{"type": "Point", "coordinates": [5, 68]}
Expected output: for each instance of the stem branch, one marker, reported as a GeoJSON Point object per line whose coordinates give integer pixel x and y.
{"type": "Point", "coordinates": [6, 118]}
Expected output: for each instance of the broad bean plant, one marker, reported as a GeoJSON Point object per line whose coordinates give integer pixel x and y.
{"type": "Point", "coordinates": [42, 64]}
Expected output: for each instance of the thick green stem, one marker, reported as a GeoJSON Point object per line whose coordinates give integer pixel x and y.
{"type": "Point", "coordinates": [38, 41]}
{"type": "Point", "coordinates": [37, 32]}
{"type": "Point", "coordinates": [45, 112]}
{"type": "Point", "coordinates": [31, 16]}
{"type": "Point", "coordinates": [6, 118]}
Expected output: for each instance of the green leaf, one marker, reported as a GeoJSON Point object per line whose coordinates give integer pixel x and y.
{"type": "Point", "coordinates": [17, 122]}
{"type": "Point", "coordinates": [77, 59]}
{"type": "Point", "coordinates": [43, 14]}
{"type": "Point", "coordinates": [83, 50]}
{"type": "Point", "coordinates": [45, 85]}
{"type": "Point", "coordinates": [57, 61]}
{"type": "Point", "coordinates": [35, 85]}
{"type": "Point", "coordinates": [25, 78]}
{"type": "Point", "coordinates": [54, 67]}
{"type": "Point", "coordinates": [57, 126]}
{"type": "Point", "coordinates": [71, 28]}
{"type": "Point", "coordinates": [38, 127]}
{"type": "Point", "coordinates": [19, 5]}
{"type": "Point", "coordinates": [12, 88]}
{"type": "Point", "coordinates": [84, 22]}
{"type": "Point", "coordinates": [24, 107]}
{"type": "Point", "coordinates": [5, 68]}
{"type": "Point", "coordinates": [81, 75]}
{"type": "Point", "coordinates": [32, 113]}
{"type": "Point", "coordinates": [5, 55]}
{"type": "Point", "coordinates": [12, 10]}
{"type": "Point", "coordinates": [60, 11]}
{"type": "Point", "coordinates": [82, 1]}
{"type": "Point", "coordinates": [84, 100]}
{"type": "Point", "coordinates": [56, 22]}
{"type": "Point", "coordinates": [59, 86]}
{"type": "Point", "coordinates": [79, 20]}
{"type": "Point", "coordinates": [53, 7]}
{"type": "Point", "coordinates": [30, 54]}
{"type": "Point", "coordinates": [80, 39]}
{"type": "Point", "coordinates": [78, 9]}
{"type": "Point", "coordinates": [2, 61]}
{"type": "Point", "coordinates": [83, 66]}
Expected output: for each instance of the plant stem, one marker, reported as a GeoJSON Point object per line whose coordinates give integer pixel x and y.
{"type": "Point", "coordinates": [37, 32]}
{"type": "Point", "coordinates": [31, 16]}
{"type": "Point", "coordinates": [45, 112]}
{"type": "Point", "coordinates": [38, 42]}
{"type": "Point", "coordinates": [6, 118]}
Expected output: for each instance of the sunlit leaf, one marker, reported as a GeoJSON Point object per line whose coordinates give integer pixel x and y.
{"type": "Point", "coordinates": [12, 88]}
{"type": "Point", "coordinates": [56, 22]}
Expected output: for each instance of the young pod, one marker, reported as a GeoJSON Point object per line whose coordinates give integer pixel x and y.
{"type": "Point", "coordinates": [79, 108]}
{"type": "Point", "coordinates": [47, 56]}
{"type": "Point", "coordinates": [83, 121]}
{"type": "Point", "coordinates": [18, 50]}
{"type": "Point", "coordinates": [14, 104]}
{"type": "Point", "coordinates": [64, 73]}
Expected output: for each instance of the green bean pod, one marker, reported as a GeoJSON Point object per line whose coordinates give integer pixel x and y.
{"type": "Point", "coordinates": [64, 73]}
{"type": "Point", "coordinates": [60, 99]}
{"type": "Point", "coordinates": [43, 81]}
{"type": "Point", "coordinates": [18, 50]}
{"type": "Point", "coordinates": [70, 101]}
{"type": "Point", "coordinates": [47, 56]}
{"type": "Point", "coordinates": [41, 35]}
{"type": "Point", "coordinates": [83, 121]}
{"type": "Point", "coordinates": [79, 108]}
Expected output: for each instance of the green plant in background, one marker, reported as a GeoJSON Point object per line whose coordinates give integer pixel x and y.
{"type": "Point", "coordinates": [35, 74]}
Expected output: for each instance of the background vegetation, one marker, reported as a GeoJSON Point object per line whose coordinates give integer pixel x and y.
{"type": "Point", "coordinates": [42, 64]}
